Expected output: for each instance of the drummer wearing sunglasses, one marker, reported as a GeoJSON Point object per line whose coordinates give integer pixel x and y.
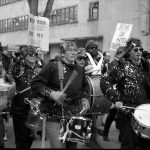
{"type": "Point", "coordinates": [81, 57]}
{"type": "Point", "coordinates": [132, 90]}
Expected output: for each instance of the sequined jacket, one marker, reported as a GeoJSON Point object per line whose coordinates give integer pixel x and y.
{"type": "Point", "coordinates": [22, 74]}
{"type": "Point", "coordinates": [127, 83]}
{"type": "Point", "coordinates": [48, 79]}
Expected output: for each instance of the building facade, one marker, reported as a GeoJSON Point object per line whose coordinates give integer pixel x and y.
{"type": "Point", "coordinates": [78, 20]}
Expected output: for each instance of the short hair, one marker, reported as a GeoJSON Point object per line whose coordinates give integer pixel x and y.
{"type": "Point", "coordinates": [66, 45]}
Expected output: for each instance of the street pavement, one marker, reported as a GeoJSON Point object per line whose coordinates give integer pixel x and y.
{"type": "Point", "coordinates": [112, 144]}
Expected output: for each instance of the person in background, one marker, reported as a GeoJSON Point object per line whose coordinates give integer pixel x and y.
{"type": "Point", "coordinates": [96, 54]}
{"type": "Point", "coordinates": [57, 104]}
{"type": "Point", "coordinates": [120, 52]}
{"type": "Point", "coordinates": [40, 60]}
{"type": "Point", "coordinates": [132, 89]}
{"type": "Point", "coordinates": [106, 61]}
{"type": "Point", "coordinates": [23, 71]}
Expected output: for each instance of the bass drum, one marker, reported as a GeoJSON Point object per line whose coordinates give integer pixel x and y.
{"type": "Point", "coordinates": [141, 121]}
{"type": "Point", "coordinates": [98, 102]}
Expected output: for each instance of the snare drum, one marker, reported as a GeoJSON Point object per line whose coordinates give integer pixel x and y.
{"type": "Point", "coordinates": [141, 121]}
{"type": "Point", "coordinates": [97, 99]}
{"type": "Point", "coordinates": [76, 129]}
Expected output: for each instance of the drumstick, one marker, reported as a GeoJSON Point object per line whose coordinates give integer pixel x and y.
{"type": "Point", "coordinates": [128, 107]}
{"type": "Point", "coordinates": [133, 108]}
{"type": "Point", "coordinates": [25, 90]}
{"type": "Point", "coordinates": [82, 111]}
{"type": "Point", "coordinates": [43, 132]}
{"type": "Point", "coordinates": [72, 77]}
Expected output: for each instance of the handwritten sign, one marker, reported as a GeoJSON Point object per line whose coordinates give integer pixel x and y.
{"type": "Point", "coordinates": [38, 32]}
{"type": "Point", "coordinates": [122, 34]}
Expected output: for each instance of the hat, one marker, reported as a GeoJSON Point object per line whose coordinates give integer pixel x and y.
{"type": "Point", "coordinates": [81, 52]}
{"type": "Point", "coordinates": [91, 44]}
{"type": "Point", "coordinates": [28, 50]}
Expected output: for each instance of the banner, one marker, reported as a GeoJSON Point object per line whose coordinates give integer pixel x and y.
{"type": "Point", "coordinates": [38, 32]}
{"type": "Point", "coordinates": [122, 34]}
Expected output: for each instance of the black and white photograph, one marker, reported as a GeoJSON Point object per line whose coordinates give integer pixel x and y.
{"type": "Point", "coordinates": [74, 74]}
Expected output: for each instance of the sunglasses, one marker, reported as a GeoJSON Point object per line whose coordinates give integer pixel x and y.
{"type": "Point", "coordinates": [31, 54]}
{"type": "Point", "coordinates": [81, 58]}
{"type": "Point", "coordinates": [138, 49]}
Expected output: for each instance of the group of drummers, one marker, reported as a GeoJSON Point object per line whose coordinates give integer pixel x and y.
{"type": "Point", "coordinates": [65, 97]}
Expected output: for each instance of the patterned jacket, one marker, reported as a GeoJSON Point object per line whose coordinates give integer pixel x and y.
{"type": "Point", "coordinates": [127, 83]}
{"type": "Point", "coordinates": [22, 74]}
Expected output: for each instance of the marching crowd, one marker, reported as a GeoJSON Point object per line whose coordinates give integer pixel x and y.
{"type": "Point", "coordinates": [60, 91]}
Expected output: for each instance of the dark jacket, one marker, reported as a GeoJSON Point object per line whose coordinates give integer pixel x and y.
{"type": "Point", "coordinates": [48, 79]}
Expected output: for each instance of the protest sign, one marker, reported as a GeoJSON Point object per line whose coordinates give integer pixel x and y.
{"type": "Point", "coordinates": [38, 32]}
{"type": "Point", "coordinates": [122, 34]}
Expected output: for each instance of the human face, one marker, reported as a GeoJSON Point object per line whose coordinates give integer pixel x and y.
{"type": "Point", "coordinates": [107, 57]}
{"type": "Point", "coordinates": [136, 53]}
{"type": "Point", "coordinates": [81, 61]}
{"type": "Point", "coordinates": [120, 54]}
{"type": "Point", "coordinates": [93, 51]}
{"type": "Point", "coordinates": [30, 58]}
{"type": "Point", "coordinates": [70, 54]}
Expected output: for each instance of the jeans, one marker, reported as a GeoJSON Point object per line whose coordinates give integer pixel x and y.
{"type": "Point", "coordinates": [52, 132]}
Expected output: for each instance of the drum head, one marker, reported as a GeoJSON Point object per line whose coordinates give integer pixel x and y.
{"type": "Point", "coordinates": [142, 115]}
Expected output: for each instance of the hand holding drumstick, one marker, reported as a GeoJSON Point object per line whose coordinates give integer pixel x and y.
{"type": "Point", "coordinates": [60, 96]}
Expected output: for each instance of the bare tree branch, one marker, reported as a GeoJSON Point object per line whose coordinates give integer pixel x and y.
{"type": "Point", "coordinates": [48, 8]}
{"type": "Point", "coordinates": [29, 2]}
{"type": "Point", "coordinates": [33, 5]}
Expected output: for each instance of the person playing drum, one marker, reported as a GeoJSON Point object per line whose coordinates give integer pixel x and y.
{"type": "Point", "coordinates": [60, 103]}
{"type": "Point", "coordinates": [84, 61]}
{"type": "Point", "coordinates": [132, 89]}
{"type": "Point", "coordinates": [7, 90]}
{"type": "Point", "coordinates": [23, 70]}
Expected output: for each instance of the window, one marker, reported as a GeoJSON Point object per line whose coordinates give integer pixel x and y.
{"type": "Point", "coordinates": [93, 10]}
{"type": "Point", "coordinates": [14, 24]}
{"type": "Point", "coordinates": [3, 2]}
{"type": "Point", "coordinates": [63, 16]}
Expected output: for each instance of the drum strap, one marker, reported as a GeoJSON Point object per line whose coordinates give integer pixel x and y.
{"type": "Point", "coordinates": [61, 78]}
{"type": "Point", "coordinates": [60, 73]}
